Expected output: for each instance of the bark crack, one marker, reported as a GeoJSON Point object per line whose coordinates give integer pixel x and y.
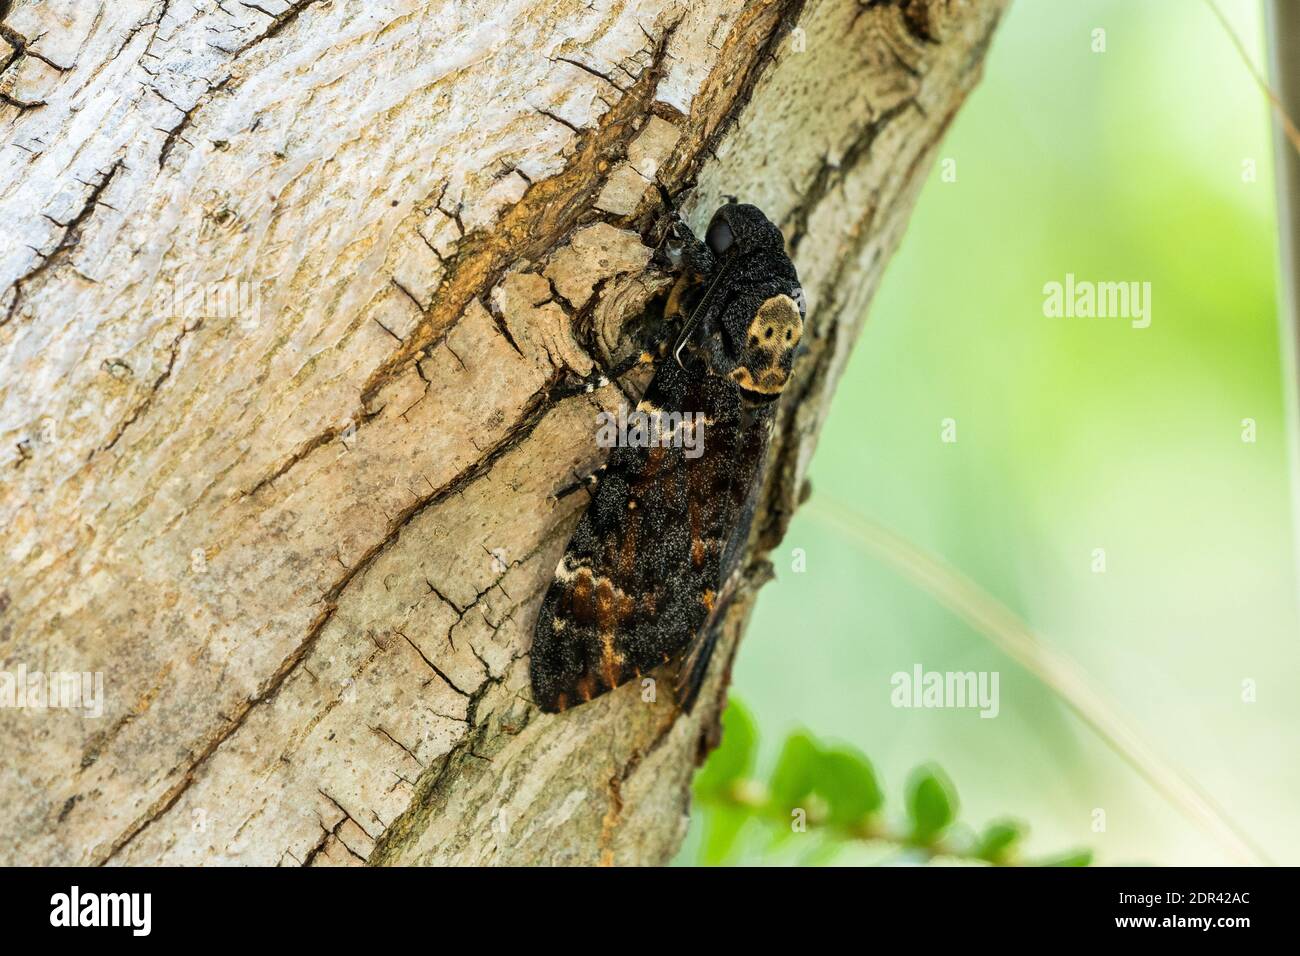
{"type": "Point", "coordinates": [68, 240]}
{"type": "Point", "coordinates": [187, 117]}
{"type": "Point", "coordinates": [831, 174]}
{"type": "Point", "coordinates": [278, 23]}
{"type": "Point", "coordinates": [548, 211]}
{"type": "Point", "coordinates": [532, 415]}
{"type": "Point", "coordinates": [173, 351]}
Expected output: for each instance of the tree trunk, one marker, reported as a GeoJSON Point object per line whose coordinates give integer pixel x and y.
{"type": "Point", "coordinates": [288, 290]}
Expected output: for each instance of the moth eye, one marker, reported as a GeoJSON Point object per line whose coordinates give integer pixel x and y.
{"type": "Point", "coordinates": [719, 236]}
{"type": "Point", "coordinates": [788, 335]}
{"type": "Point", "coordinates": [753, 340]}
{"type": "Point", "coordinates": [768, 333]}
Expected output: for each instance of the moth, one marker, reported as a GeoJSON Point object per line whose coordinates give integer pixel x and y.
{"type": "Point", "coordinates": [640, 581]}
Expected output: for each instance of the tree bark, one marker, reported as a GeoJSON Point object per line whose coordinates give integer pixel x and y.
{"type": "Point", "coordinates": [288, 290]}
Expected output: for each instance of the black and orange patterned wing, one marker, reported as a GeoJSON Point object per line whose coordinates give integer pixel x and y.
{"type": "Point", "coordinates": [637, 584]}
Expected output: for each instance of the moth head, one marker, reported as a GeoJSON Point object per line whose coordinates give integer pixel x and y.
{"type": "Point", "coordinates": [739, 229]}
{"type": "Point", "coordinates": [766, 353]}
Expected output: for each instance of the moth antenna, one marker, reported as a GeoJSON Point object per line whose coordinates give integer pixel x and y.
{"type": "Point", "coordinates": [665, 196]}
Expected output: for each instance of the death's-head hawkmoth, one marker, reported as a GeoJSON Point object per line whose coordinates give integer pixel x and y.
{"type": "Point", "coordinates": [641, 579]}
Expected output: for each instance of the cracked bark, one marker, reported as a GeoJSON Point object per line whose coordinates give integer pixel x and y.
{"type": "Point", "coordinates": [285, 392]}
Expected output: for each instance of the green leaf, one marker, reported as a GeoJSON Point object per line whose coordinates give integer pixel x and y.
{"type": "Point", "coordinates": [722, 826]}
{"type": "Point", "coordinates": [821, 851]}
{"type": "Point", "coordinates": [838, 791]}
{"type": "Point", "coordinates": [796, 771]}
{"type": "Point", "coordinates": [998, 843]}
{"type": "Point", "coordinates": [931, 803]}
{"type": "Point", "coordinates": [1073, 858]}
{"type": "Point", "coordinates": [734, 757]}
{"type": "Point", "coordinates": [848, 782]}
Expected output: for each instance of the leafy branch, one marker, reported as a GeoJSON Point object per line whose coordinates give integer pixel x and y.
{"type": "Point", "coordinates": [834, 791]}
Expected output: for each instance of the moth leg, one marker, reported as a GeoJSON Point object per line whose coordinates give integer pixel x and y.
{"type": "Point", "coordinates": [582, 385]}
{"type": "Point", "coordinates": [600, 376]}
{"type": "Point", "coordinates": [670, 212]}
{"type": "Point", "coordinates": [683, 254]}
{"type": "Point", "coordinates": [590, 482]}
{"type": "Point", "coordinates": [669, 199]}
{"type": "Point", "coordinates": [681, 251]}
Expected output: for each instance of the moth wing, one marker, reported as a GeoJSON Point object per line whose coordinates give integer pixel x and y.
{"type": "Point", "coordinates": [638, 581]}
{"type": "Point", "coordinates": [746, 454]}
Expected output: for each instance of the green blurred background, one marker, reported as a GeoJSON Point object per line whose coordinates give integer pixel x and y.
{"type": "Point", "coordinates": [1073, 434]}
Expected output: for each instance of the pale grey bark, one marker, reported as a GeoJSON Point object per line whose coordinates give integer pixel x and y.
{"type": "Point", "coordinates": [286, 290]}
